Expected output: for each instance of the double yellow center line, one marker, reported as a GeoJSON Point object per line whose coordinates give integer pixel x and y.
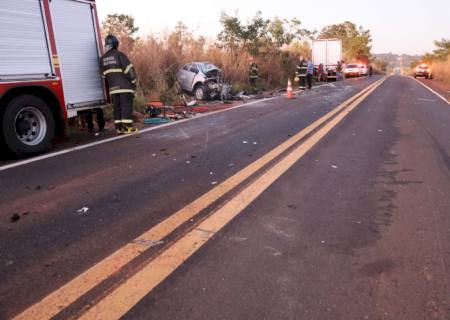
{"type": "Point", "coordinates": [130, 292]}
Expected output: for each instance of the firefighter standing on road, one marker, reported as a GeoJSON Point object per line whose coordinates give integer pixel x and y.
{"type": "Point", "coordinates": [121, 79]}
{"type": "Point", "coordinates": [300, 74]}
{"type": "Point", "coordinates": [309, 73]}
{"type": "Point", "coordinates": [253, 74]}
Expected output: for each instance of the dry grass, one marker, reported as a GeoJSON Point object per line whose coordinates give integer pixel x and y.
{"type": "Point", "coordinates": [157, 59]}
{"type": "Point", "coordinates": [441, 70]}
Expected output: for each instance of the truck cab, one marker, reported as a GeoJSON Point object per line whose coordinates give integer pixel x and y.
{"type": "Point", "coordinates": [49, 69]}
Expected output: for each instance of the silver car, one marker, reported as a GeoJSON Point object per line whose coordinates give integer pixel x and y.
{"type": "Point", "coordinates": [201, 79]}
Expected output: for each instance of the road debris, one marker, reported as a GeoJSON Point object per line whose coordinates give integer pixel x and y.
{"type": "Point", "coordinates": [15, 217]}
{"type": "Point", "coordinates": [148, 243]}
{"type": "Point", "coordinates": [214, 183]}
{"type": "Point", "coordinates": [334, 167]}
{"type": "Point", "coordinates": [156, 120]}
{"type": "Point", "coordinates": [83, 210]}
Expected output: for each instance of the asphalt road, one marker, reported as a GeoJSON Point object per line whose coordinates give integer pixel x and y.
{"type": "Point", "coordinates": [357, 226]}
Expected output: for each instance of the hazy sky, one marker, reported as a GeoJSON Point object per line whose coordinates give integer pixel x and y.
{"type": "Point", "coordinates": [398, 26]}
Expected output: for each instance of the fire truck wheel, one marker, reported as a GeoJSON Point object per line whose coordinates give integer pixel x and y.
{"type": "Point", "coordinates": [28, 125]}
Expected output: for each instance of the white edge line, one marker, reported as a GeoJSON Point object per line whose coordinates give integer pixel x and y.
{"type": "Point", "coordinates": [436, 93]}
{"type": "Point", "coordinates": [93, 144]}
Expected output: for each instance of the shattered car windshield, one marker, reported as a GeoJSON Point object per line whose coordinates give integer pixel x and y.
{"type": "Point", "coordinates": [207, 67]}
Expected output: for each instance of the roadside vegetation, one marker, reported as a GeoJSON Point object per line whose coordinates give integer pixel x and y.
{"type": "Point", "coordinates": [439, 60]}
{"type": "Point", "coordinates": [276, 45]}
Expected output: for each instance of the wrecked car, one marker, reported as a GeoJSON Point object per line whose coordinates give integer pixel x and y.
{"type": "Point", "coordinates": [203, 80]}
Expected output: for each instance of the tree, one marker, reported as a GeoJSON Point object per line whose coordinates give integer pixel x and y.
{"type": "Point", "coordinates": [443, 49]}
{"type": "Point", "coordinates": [232, 34]}
{"type": "Point", "coordinates": [123, 27]}
{"type": "Point", "coordinates": [284, 32]}
{"type": "Point", "coordinates": [356, 41]}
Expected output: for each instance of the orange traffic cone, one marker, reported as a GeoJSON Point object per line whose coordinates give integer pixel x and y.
{"type": "Point", "coordinates": [290, 93]}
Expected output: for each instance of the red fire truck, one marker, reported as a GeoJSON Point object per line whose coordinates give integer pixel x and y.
{"type": "Point", "coordinates": [49, 69]}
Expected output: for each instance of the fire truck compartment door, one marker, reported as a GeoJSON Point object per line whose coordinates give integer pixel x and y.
{"type": "Point", "coordinates": [77, 46]}
{"type": "Point", "coordinates": [23, 41]}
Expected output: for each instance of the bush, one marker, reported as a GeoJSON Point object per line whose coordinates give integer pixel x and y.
{"type": "Point", "coordinates": [441, 70]}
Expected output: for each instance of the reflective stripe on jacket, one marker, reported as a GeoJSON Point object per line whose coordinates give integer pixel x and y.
{"type": "Point", "coordinates": [302, 69]}
{"type": "Point", "coordinates": [119, 72]}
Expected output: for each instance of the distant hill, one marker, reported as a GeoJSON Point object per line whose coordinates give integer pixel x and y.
{"type": "Point", "coordinates": [393, 59]}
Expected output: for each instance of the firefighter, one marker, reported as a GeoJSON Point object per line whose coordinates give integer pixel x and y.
{"type": "Point", "coordinates": [253, 74]}
{"type": "Point", "coordinates": [300, 74]}
{"type": "Point", "coordinates": [309, 73]}
{"type": "Point", "coordinates": [121, 79]}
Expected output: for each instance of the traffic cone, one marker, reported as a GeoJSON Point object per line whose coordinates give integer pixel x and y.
{"type": "Point", "coordinates": [290, 93]}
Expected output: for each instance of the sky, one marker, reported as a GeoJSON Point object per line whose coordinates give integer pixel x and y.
{"type": "Point", "coordinates": [397, 26]}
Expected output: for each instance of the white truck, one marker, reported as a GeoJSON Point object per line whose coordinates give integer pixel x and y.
{"type": "Point", "coordinates": [327, 52]}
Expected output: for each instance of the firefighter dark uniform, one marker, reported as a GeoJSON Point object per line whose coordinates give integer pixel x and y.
{"type": "Point", "coordinates": [121, 79]}
{"type": "Point", "coordinates": [300, 74]}
{"type": "Point", "coordinates": [253, 74]}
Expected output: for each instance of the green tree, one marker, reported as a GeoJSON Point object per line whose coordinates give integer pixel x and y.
{"type": "Point", "coordinates": [232, 35]}
{"type": "Point", "coordinates": [123, 27]}
{"type": "Point", "coordinates": [284, 31]}
{"type": "Point", "coordinates": [443, 49]}
{"type": "Point", "coordinates": [355, 41]}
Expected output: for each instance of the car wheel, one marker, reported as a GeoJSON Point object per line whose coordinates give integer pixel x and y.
{"type": "Point", "coordinates": [28, 125]}
{"type": "Point", "coordinates": [200, 92]}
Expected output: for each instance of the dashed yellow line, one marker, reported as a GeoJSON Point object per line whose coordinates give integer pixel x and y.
{"type": "Point", "coordinates": [127, 295]}
{"type": "Point", "coordinates": [60, 299]}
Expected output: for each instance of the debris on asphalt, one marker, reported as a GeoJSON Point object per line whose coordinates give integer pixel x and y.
{"type": "Point", "coordinates": [238, 239]}
{"type": "Point", "coordinates": [211, 173]}
{"type": "Point", "coordinates": [148, 243]}
{"type": "Point", "coordinates": [255, 143]}
{"type": "Point", "coordinates": [192, 103]}
{"type": "Point", "coordinates": [380, 130]}
{"type": "Point", "coordinates": [156, 120]}
{"type": "Point", "coordinates": [154, 155]}
{"type": "Point", "coordinates": [83, 210]}
{"type": "Point", "coordinates": [30, 188]}
{"type": "Point", "coordinates": [214, 183]}
{"type": "Point", "coordinates": [245, 142]}
{"type": "Point", "coordinates": [15, 217]}
{"type": "Point", "coordinates": [188, 162]}
{"type": "Point", "coordinates": [334, 167]}
{"type": "Point", "coordinates": [242, 96]}
{"type": "Point", "coordinates": [231, 165]}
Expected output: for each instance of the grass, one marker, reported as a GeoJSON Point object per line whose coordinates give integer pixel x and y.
{"type": "Point", "coordinates": [441, 70]}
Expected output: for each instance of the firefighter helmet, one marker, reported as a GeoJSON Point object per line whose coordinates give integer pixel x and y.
{"type": "Point", "coordinates": [111, 42]}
